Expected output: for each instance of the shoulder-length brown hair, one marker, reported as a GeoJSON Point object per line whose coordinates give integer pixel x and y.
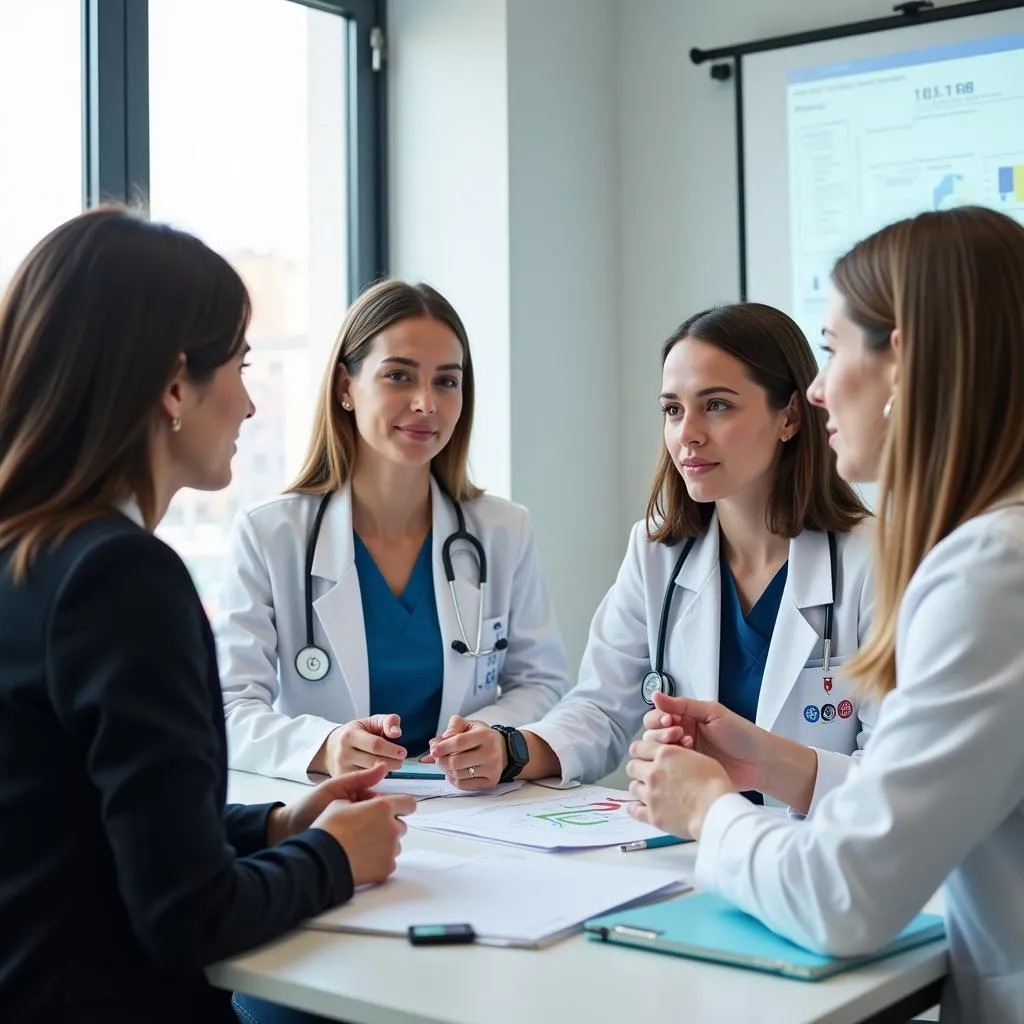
{"type": "Point", "coordinates": [808, 493]}
{"type": "Point", "coordinates": [331, 457]}
{"type": "Point", "coordinates": [952, 285]}
{"type": "Point", "coordinates": [92, 328]}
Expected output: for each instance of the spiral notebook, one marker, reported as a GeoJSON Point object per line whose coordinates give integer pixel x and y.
{"type": "Point", "coordinates": [706, 927]}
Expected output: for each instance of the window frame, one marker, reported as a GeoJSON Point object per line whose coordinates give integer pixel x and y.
{"type": "Point", "coordinates": [115, 115]}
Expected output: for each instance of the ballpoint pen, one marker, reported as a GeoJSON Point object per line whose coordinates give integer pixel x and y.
{"type": "Point", "coordinates": [653, 844]}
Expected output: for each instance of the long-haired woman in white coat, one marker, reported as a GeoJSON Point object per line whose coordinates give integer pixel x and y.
{"type": "Point", "coordinates": [383, 600]}
{"type": "Point", "coordinates": [924, 392]}
{"type": "Point", "coordinates": [751, 558]}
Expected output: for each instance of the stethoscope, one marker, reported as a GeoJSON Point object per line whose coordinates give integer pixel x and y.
{"type": "Point", "coordinates": [313, 662]}
{"type": "Point", "coordinates": [659, 681]}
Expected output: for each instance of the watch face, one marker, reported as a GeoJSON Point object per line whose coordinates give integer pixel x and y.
{"type": "Point", "coordinates": [517, 744]}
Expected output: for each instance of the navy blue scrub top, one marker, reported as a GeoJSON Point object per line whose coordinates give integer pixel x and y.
{"type": "Point", "coordinates": [403, 646]}
{"type": "Point", "coordinates": [744, 646]}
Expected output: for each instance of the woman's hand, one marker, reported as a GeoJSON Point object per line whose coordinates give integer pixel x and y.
{"type": "Point", "coordinates": [743, 749]}
{"type": "Point", "coordinates": [674, 787]}
{"type": "Point", "coordinates": [361, 743]}
{"type": "Point", "coordinates": [753, 758]}
{"type": "Point", "coordinates": [293, 818]}
{"type": "Point", "coordinates": [470, 753]}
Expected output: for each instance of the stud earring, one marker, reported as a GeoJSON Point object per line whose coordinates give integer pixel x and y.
{"type": "Point", "coordinates": [175, 424]}
{"type": "Point", "coordinates": [346, 405]}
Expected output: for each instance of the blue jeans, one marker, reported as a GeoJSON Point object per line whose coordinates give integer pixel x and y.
{"type": "Point", "coordinates": [250, 1010]}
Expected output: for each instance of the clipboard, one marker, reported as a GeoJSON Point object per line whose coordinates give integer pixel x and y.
{"type": "Point", "coordinates": [706, 927]}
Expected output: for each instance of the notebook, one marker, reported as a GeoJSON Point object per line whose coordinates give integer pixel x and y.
{"type": "Point", "coordinates": [706, 927]}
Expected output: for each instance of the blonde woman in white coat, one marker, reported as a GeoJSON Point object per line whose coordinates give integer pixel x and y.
{"type": "Point", "coordinates": [924, 392]}
{"type": "Point", "coordinates": [383, 652]}
{"type": "Point", "coordinates": [776, 560]}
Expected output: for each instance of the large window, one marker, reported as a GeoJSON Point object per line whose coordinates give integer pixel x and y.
{"type": "Point", "coordinates": [247, 147]}
{"type": "Point", "coordinates": [40, 123]}
{"type": "Point", "coordinates": [256, 124]}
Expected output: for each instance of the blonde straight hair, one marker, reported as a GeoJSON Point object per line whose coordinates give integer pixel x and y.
{"type": "Point", "coordinates": [331, 457]}
{"type": "Point", "coordinates": [952, 285]}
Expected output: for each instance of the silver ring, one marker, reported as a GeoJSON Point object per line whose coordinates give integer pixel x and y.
{"type": "Point", "coordinates": [472, 771]}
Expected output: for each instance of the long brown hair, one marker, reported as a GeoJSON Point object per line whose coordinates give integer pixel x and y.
{"type": "Point", "coordinates": [92, 328]}
{"type": "Point", "coordinates": [331, 457]}
{"type": "Point", "coordinates": [952, 285]}
{"type": "Point", "coordinates": [808, 493]}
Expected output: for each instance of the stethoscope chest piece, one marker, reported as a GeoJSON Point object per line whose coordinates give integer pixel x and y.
{"type": "Point", "coordinates": [312, 663]}
{"type": "Point", "coordinates": [657, 682]}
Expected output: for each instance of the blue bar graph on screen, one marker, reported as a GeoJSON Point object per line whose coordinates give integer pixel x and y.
{"type": "Point", "coordinates": [1011, 183]}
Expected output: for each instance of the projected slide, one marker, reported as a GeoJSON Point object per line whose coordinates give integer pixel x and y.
{"type": "Point", "coordinates": [871, 141]}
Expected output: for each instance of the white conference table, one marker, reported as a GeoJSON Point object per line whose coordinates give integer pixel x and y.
{"type": "Point", "coordinates": [378, 980]}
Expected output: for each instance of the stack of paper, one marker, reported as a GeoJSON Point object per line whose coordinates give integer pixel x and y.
{"type": "Point", "coordinates": [583, 819]}
{"type": "Point", "coordinates": [509, 900]}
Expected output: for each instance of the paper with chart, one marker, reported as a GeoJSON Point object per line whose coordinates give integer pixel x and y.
{"type": "Point", "coordinates": [580, 819]}
{"type": "Point", "coordinates": [509, 899]}
{"type": "Point", "coordinates": [427, 789]}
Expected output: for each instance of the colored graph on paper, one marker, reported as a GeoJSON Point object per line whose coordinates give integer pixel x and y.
{"type": "Point", "coordinates": [590, 818]}
{"type": "Point", "coordinates": [596, 812]}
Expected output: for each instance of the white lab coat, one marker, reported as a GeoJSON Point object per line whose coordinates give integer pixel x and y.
{"type": "Point", "coordinates": [277, 721]}
{"type": "Point", "coordinates": [591, 728]}
{"type": "Point", "coordinates": [938, 795]}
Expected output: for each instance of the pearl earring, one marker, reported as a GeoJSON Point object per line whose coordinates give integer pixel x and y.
{"type": "Point", "coordinates": [346, 405]}
{"type": "Point", "coordinates": [175, 424]}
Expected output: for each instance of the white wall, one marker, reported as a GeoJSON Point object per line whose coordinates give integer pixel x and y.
{"type": "Point", "coordinates": [503, 133]}
{"type": "Point", "coordinates": [677, 166]}
{"type": "Point", "coordinates": [448, 194]}
{"type": "Point", "coordinates": [564, 245]}
{"type": "Point", "coordinates": [565, 174]}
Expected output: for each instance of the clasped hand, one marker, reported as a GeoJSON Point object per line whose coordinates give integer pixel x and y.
{"type": "Point", "coordinates": [469, 752]}
{"type": "Point", "coordinates": [365, 824]}
{"type": "Point", "coordinates": [692, 753]}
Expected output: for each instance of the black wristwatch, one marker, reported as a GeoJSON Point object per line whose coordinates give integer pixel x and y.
{"type": "Point", "coordinates": [517, 751]}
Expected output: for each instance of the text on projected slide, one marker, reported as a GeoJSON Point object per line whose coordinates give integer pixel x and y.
{"type": "Point", "coordinates": [872, 141]}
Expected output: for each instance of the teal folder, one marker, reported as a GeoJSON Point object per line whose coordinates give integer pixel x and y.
{"type": "Point", "coordinates": [707, 927]}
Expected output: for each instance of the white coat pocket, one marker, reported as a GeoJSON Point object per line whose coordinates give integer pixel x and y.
{"type": "Point", "coordinates": [827, 708]}
{"type": "Point", "coordinates": [488, 666]}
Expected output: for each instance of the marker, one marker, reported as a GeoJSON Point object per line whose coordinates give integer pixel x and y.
{"type": "Point", "coordinates": [653, 844]}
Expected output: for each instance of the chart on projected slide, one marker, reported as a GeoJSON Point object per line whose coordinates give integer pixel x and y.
{"type": "Point", "coordinates": [573, 820]}
{"type": "Point", "coordinates": [875, 140]}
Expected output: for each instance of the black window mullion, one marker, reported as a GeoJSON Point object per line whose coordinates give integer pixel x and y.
{"type": "Point", "coordinates": [366, 134]}
{"type": "Point", "coordinates": [367, 157]}
{"type": "Point", "coordinates": [116, 101]}
{"type": "Point", "coordinates": [116, 118]}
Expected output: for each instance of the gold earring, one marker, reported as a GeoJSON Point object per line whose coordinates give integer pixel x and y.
{"type": "Point", "coordinates": [175, 424]}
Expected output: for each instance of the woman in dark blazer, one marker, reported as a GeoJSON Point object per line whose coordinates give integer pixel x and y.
{"type": "Point", "coordinates": [122, 873]}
